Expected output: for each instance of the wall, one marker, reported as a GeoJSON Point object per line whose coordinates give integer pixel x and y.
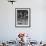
{"type": "Point", "coordinates": [8, 31]}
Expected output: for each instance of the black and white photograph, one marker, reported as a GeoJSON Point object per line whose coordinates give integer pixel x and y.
{"type": "Point", "coordinates": [22, 17]}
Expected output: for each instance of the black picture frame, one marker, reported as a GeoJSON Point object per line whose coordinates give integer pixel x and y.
{"type": "Point", "coordinates": [22, 17]}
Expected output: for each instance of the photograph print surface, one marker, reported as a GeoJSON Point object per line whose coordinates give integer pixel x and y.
{"type": "Point", "coordinates": [22, 17]}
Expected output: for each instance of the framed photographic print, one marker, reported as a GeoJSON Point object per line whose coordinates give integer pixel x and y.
{"type": "Point", "coordinates": [22, 17]}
